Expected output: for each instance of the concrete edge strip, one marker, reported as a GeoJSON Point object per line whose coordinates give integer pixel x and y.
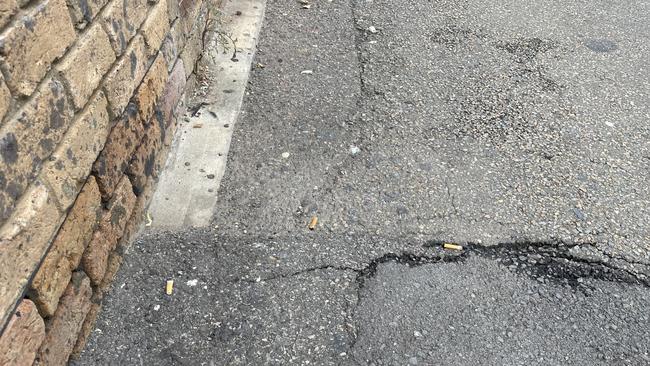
{"type": "Point", "coordinates": [186, 193]}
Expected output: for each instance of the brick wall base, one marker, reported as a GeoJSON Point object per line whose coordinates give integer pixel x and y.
{"type": "Point", "coordinates": [90, 94]}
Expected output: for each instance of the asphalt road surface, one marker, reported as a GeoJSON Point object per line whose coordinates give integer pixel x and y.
{"type": "Point", "coordinates": [519, 130]}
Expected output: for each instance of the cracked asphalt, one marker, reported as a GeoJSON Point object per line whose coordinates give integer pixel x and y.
{"type": "Point", "coordinates": [519, 131]}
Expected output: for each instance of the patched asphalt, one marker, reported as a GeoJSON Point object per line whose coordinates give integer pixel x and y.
{"type": "Point", "coordinates": [517, 130]}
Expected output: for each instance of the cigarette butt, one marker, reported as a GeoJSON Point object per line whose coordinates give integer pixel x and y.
{"type": "Point", "coordinates": [452, 246]}
{"type": "Point", "coordinates": [169, 288]}
{"type": "Point", "coordinates": [313, 223]}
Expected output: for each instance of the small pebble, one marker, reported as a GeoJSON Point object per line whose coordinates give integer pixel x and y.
{"type": "Point", "coordinates": [285, 155]}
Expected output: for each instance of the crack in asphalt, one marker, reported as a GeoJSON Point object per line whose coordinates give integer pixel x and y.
{"type": "Point", "coordinates": [542, 261]}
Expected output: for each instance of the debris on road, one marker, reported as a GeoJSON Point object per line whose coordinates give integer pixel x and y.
{"type": "Point", "coordinates": [285, 155]}
{"type": "Point", "coordinates": [354, 150]}
{"type": "Point", "coordinates": [307, 72]}
{"type": "Point", "coordinates": [313, 223]}
{"type": "Point", "coordinates": [192, 283]}
{"type": "Point", "coordinates": [452, 246]}
{"type": "Point", "coordinates": [169, 287]}
{"type": "Point", "coordinates": [373, 30]}
{"type": "Point", "coordinates": [198, 125]}
{"type": "Point", "coordinates": [149, 220]}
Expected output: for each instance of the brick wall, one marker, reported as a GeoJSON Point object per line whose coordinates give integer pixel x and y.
{"type": "Point", "coordinates": [90, 91]}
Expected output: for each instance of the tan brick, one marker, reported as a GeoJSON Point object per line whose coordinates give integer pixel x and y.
{"type": "Point", "coordinates": [155, 28]}
{"type": "Point", "coordinates": [189, 11]}
{"type": "Point", "coordinates": [63, 329]}
{"type": "Point", "coordinates": [114, 159]}
{"type": "Point", "coordinates": [173, 91]}
{"type": "Point", "coordinates": [22, 337]}
{"type": "Point", "coordinates": [69, 166]}
{"type": "Point", "coordinates": [143, 166]}
{"type": "Point", "coordinates": [151, 88]}
{"type": "Point", "coordinates": [64, 256]}
{"type": "Point", "coordinates": [28, 139]}
{"type": "Point", "coordinates": [30, 47]}
{"type": "Point", "coordinates": [111, 229]}
{"type": "Point", "coordinates": [126, 76]}
{"type": "Point", "coordinates": [170, 47]}
{"type": "Point", "coordinates": [84, 11]}
{"type": "Point", "coordinates": [24, 239]}
{"type": "Point", "coordinates": [5, 99]}
{"type": "Point", "coordinates": [114, 263]}
{"type": "Point", "coordinates": [86, 328]}
{"type": "Point", "coordinates": [122, 20]}
{"type": "Point", "coordinates": [7, 9]}
{"type": "Point", "coordinates": [94, 52]}
{"type": "Point", "coordinates": [193, 45]}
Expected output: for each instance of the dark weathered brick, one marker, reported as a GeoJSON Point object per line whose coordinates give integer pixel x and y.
{"type": "Point", "coordinates": [33, 43]}
{"type": "Point", "coordinates": [84, 11]}
{"type": "Point", "coordinates": [121, 82]}
{"type": "Point", "coordinates": [64, 255]}
{"type": "Point", "coordinates": [62, 329]}
{"type": "Point", "coordinates": [120, 145]}
{"type": "Point", "coordinates": [151, 88]}
{"type": "Point", "coordinates": [24, 239]}
{"type": "Point", "coordinates": [69, 166]}
{"type": "Point", "coordinates": [109, 232]}
{"type": "Point", "coordinates": [94, 52]}
{"type": "Point", "coordinates": [156, 26]}
{"type": "Point", "coordinates": [28, 139]}
{"type": "Point", "coordinates": [7, 9]}
{"type": "Point", "coordinates": [173, 91]}
{"type": "Point", "coordinates": [143, 166]}
{"type": "Point", "coordinates": [122, 20]}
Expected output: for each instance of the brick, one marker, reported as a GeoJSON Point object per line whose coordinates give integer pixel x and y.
{"type": "Point", "coordinates": [84, 11]}
{"type": "Point", "coordinates": [151, 88]}
{"type": "Point", "coordinates": [69, 166]}
{"type": "Point", "coordinates": [122, 81]}
{"type": "Point", "coordinates": [29, 48]}
{"type": "Point", "coordinates": [193, 45]}
{"type": "Point", "coordinates": [22, 337]}
{"type": "Point", "coordinates": [144, 166]}
{"type": "Point", "coordinates": [28, 139]}
{"type": "Point", "coordinates": [95, 53]}
{"type": "Point", "coordinates": [64, 256]}
{"type": "Point", "coordinates": [189, 11]}
{"type": "Point", "coordinates": [122, 20]}
{"type": "Point", "coordinates": [63, 329]}
{"type": "Point", "coordinates": [24, 239]}
{"type": "Point", "coordinates": [173, 91]}
{"type": "Point", "coordinates": [155, 28]}
{"type": "Point", "coordinates": [86, 328]}
{"type": "Point", "coordinates": [7, 9]}
{"type": "Point", "coordinates": [114, 159]}
{"type": "Point", "coordinates": [5, 99]}
{"type": "Point", "coordinates": [111, 229]}
{"type": "Point", "coordinates": [113, 265]}
{"type": "Point", "coordinates": [173, 10]}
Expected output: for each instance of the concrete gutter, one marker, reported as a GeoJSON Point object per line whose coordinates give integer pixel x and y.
{"type": "Point", "coordinates": [187, 191]}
